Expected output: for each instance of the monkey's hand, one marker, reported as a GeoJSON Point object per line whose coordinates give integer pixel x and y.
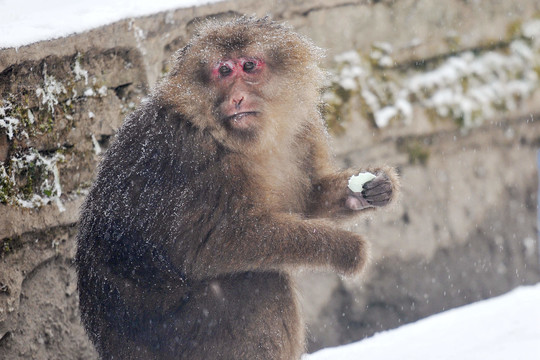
{"type": "Point", "coordinates": [350, 255]}
{"type": "Point", "coordinates": [376, 193]}
{"type": "Point", "coordinates": [332, 197]}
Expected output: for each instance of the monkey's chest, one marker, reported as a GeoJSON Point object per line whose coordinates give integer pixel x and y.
{"type": "Point", "coordinates": [284, 185]}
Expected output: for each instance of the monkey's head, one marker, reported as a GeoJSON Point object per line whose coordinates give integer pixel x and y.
{"type": "Point", "coordinates": [248, 82]}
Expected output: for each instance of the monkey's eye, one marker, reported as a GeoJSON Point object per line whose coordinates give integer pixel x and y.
{"type": "Point", "coordinates": [224, 70]}
{"type": "Point", "coordinates": [249, 66]}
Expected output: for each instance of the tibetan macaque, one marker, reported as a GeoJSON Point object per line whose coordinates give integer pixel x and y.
{"type": "Point", "coordinates": [214, 190]}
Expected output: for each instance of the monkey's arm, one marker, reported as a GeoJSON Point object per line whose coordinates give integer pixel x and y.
{"type": "Point", "coordinates": [262, 242]}
{"type": "Point", "coordinates": [331, 196]}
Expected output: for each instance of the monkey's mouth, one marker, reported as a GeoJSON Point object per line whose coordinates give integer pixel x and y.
{"type": "Point", "coordinates": [241, 120]}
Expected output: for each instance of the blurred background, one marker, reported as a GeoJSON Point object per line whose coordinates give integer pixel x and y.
{"type": "Point", "coordinates": [447, 92]}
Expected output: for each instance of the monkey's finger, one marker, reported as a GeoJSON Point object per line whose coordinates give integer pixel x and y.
{"type": "Point", "coordinates": [381, 188]}
{"type": "Point", "coordinates": [379, 199]}
{"type": "Point", "coordinates": [380, 203]}
{"type": "Point", "coordinates": [378, 181]}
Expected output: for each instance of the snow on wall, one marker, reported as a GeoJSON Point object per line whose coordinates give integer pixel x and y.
{"type": "Point", "coordinates": [30, 178]}
{"type": "Point", "coordinates": [26, 22]}
{"type": "Point", "coordinates": [467, 87]}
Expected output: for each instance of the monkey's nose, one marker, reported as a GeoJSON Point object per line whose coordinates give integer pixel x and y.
{"type": "Point", "coordinates": [237, 102]}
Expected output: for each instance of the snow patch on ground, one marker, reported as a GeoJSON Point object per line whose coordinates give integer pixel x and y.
{"type": "Point", "coordinates": [501, 328]}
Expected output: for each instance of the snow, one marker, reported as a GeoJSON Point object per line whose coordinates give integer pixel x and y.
{"type": "Point", "coordinates": [51, 90]}
{"type": "Point", "coordinates": [467, 87]}
{"type": "Point", "coordinates": [384, 115]}
{"type": "Point", "coordinates": [7, 122]}
{"type": "Point", "coordinates": [505, 327]}
{"type": "Point", "coordinates": [25, 22]}
{"type": "Point", "coordinates": [47, 165]}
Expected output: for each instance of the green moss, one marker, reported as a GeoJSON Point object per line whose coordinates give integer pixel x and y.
{"type": "Point", "coordinates": [459, 120]}
{"type": "Point", "coordinates": [6, 190]}
{"type": "Point", "coordinates": [416, 150]}
{"type": "Point", "coordinates": [513, 29]}
{"type": "Point", "coordinates": [31, 175]}
{"type": "Point", "coordinates": [43, 121]}
{"type": "Point", "coordinates": [465, 84]}
{"type": "Point", "coordinates": [334, 118]}
{"type": "Point", "coordinates": [453, 42]}
{"type": "Point", "coordinates": [9, 245]}
{"type": "Point", "coordinates": [25, 176]}
{"type": "Point", "coordinates": [537, 70]}
{"type": "Point", "coordinates": [344, 94]}
{"type": "Point", "coordinates": [19, 112]}
{"type": "Point", "coordinates": [46, 127]}
{"type": "Point", "coordinates": [6, 246]}
{"type": "Point", "coordinates": [165, 70]}
{"type": "Point", "coordinates": [334, 109]}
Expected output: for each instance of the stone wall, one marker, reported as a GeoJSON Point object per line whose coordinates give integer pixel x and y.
{"type": "Point", "coordinates": [448, 92]}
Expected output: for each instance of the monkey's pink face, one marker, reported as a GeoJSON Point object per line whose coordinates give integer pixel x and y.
{"type": "Point", "coordinates": [239, 81]}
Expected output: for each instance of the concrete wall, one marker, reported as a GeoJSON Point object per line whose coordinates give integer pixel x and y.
{"type": "Point", "coordinates": [464, 230]}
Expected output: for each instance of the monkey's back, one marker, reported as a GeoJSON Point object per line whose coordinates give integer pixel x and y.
{"type": "Point", "coordinates": [159, 193]}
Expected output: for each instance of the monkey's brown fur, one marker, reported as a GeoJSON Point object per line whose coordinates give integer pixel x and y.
{"type": "Point", "coordinates": [187, 237]}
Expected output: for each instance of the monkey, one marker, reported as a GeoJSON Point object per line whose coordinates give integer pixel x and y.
{"type": "Point", "coordinates": [214, 191]}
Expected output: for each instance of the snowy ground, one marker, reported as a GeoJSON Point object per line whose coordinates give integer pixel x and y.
{"type": "Point", "coordinates": [505, 327]}
{"type": "Point", "coordinates": [28, 21]}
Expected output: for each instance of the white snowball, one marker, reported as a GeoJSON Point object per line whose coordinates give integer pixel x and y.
{"type": "Point", "coordinates": [356, 182]}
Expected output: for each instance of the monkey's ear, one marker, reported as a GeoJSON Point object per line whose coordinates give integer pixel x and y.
{"type": "Point", "coordinates": [265, 21]}
{"type": "Point", "coordinates": [181, 53]}
{"type": "Point", "coordinates": [178, 58]}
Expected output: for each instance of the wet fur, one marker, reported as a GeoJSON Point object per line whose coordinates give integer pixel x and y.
{"type": "Point", "coordinates": [189, 232]}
